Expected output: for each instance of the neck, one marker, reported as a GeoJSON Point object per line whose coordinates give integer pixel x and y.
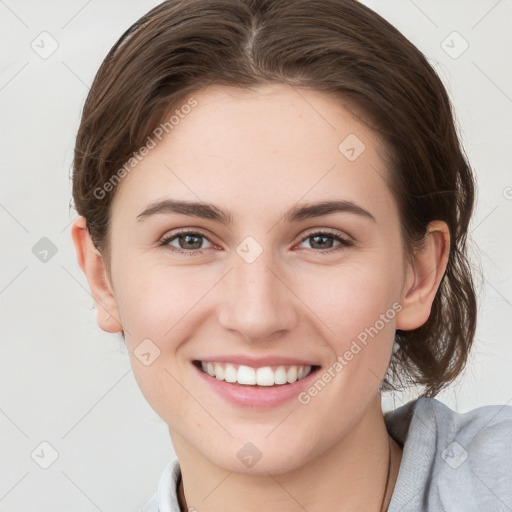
{"type": "Point", "coordinates": [355, 474]}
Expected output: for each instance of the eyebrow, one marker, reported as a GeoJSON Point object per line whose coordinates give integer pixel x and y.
{"type": "Point", "coordinates": [211, 212]}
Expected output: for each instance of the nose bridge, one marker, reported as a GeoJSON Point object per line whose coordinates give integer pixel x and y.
{"type": "Point", "coordinates": [257, 303]}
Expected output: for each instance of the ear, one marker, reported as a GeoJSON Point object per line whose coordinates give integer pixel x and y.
{"type": "Point", "coordinates": [92, 265]}
{"type": "Point", "coordinates": [423, 277]}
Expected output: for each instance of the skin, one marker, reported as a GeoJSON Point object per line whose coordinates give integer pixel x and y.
{"type": "Point", "coordinates": [258, 154]}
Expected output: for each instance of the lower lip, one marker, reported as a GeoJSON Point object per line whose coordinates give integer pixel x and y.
{"type": "Point", "coordinates": [260, 397]}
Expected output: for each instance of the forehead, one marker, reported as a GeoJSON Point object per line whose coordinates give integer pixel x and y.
{"type": "Point", "coordinates": [267, 146]}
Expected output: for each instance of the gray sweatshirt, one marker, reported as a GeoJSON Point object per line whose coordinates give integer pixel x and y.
{"type": "Point", "coordinates": [451, 462]}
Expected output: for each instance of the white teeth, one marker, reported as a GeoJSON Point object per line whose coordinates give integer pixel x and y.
{"type": "Point", "coordinates": [219, 372]}
{"type": "Point", "coordinates": [265, 376]}
{"type": "Point", "coordinates": [280, 376]}
{"type": "Point", "coordinates": [246, 375]}
{"type": "Point", "coordinates": [291, 374]}
{"type": "Point", "coordinates": [249, 376]}
{"type": "Point", "coordinates": [230, 373]}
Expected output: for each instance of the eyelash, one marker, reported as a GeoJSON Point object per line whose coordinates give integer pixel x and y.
{"type": "Point", "coordinates": [343, 242]}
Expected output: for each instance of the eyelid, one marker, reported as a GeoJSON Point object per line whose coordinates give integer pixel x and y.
{"type": "Point", "coordinates": [328, 231]}
{"type": "Point", "coordinates": [318, 230]}
{"type": "Point", "coordinates": [344, 241]}
{"type": "Point", "coordinates": [184, 231]}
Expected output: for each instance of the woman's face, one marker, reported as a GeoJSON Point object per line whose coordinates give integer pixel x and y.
{"type": "Point", "coordinates": [267, 289]}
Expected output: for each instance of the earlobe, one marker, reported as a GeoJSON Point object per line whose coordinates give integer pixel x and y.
{"type": "Point", "coordinates": [92, 264]}
{"type": "Point", "coordinates": [424, 276]}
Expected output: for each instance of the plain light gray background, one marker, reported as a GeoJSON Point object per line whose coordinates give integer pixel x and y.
{"type": "Point", "coordinates": [65, 382]}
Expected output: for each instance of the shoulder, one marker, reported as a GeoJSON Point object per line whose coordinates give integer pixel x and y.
{"type": "Point", "coordinates": [485, 424]}
{"type": "Point", "coordinates": [165, 499]}
{"type": "Point", "coordinates": [458, 458]}
{"type": "Point", "coordinates": [475, 454]}
{"type": "Point", "coordinates": [480, 432]}
{"type": "Point", "coordinates": [476, 421]}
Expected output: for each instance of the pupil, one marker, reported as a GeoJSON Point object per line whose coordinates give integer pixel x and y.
{"type": "Point", "coordinates": [316, 237]}
{"type": "Point", "coordinates": [187, 240]}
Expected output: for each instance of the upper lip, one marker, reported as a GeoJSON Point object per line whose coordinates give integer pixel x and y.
{"type": "Point", "coordinates": [257, 362]}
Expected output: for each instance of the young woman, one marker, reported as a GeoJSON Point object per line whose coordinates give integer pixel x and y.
{"type": "Point", "coordinates": [273, 211]}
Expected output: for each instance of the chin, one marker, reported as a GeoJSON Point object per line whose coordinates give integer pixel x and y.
{"type": "Point", "coordinates": [260, 458]}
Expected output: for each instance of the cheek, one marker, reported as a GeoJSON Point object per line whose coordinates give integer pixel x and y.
{"type": "Point", "coordinates": [357, 307]}
{"type": "Point", "coordinates": [154, 299]}
{"type": "Point", "coordinates": [161, 308]}
{"type": "Point", "coordinates": [153, 305]}
{"type": "Point", "coordinates": [352, 298]}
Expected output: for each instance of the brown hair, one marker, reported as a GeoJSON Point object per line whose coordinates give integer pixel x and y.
{"type": "Point", "coordinates": [339, 47]}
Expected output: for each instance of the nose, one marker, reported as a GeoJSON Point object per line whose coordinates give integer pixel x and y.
{"type": "Point", "coordinates": [257, 301]}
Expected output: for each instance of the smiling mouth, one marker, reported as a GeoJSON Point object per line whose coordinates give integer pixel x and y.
{"type": "Point", "coordinates": [262, 377]}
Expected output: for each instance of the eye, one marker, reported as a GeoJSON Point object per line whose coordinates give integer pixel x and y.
{"type": "Point", "coordinates": [189, 242]}
{"type": "Point", "coordinates": [323, 240]}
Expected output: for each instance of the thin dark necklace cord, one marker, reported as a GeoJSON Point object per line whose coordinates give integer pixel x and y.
{"type": "Point", "coordinates": [387, 478]}
{"type": "Point", "coordinates": [180, 484]}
